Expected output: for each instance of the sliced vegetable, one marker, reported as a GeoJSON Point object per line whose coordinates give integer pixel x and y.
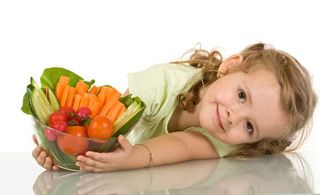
{"type": "Point", "coordinates": [84, 100]}
{"type": "Point", "coordinates": [71, 96]}
{"type": "Point", "coordinates": [95, 106]}
{"type": "Point", "coordinates": [39, 102]}
{"type": "Point", "coordinates": [93, 90]}
{"type": "Point", "coordinates": [127, 119]}
{"type": "Point", "coordinates": [110, 101]}
{"type": "Point", "coordinates": [53, 100]}
{"type": "Point", "coordinates": [76, 102]}
{"type": "Point", "coordinates": [64, 96]}
{"type": "Point", "coordinates": [81, 87]}
{"type": "Point", "coordinates": [114, 111]}
{"type": "Point", "coordinates": [63, 81]}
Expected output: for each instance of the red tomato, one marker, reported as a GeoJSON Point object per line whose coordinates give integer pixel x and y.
{"type": "Point", "coordinates": [70, 113]}
{"type": "Point", "coordinates": [83, 112]}
{"type": "Point", "coordinates": [57, 116]}
{"type": "Point", "coordinates": [74, 122]}
{"type": "Point", "coordinates": [100, 128]}
{"type": "Point", "coordinates": [59, 125]}
{"type": "Point", "coordinates": [50, 135]}
{"type": "Point", "coordinates": [75, 142]}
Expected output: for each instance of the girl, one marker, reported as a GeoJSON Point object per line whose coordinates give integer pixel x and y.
{"type": "Point", "coordinates": [252, 103]}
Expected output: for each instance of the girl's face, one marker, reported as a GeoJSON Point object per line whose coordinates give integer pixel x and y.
{"type": "Point", "coordinates": [243, 107]}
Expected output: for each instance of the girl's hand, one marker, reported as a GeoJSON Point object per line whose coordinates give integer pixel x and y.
{"type": "Point", "coordinates": [111, 161]}
{"type": "Point", "coordinates": [42, 157]}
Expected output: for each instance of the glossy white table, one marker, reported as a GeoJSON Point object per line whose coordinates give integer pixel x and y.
{"type": "Point", "coordinates": [278, 174]}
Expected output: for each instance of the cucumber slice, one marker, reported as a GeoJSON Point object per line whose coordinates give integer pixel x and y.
{"type": "Point", "coordinates": [53, 100]}
{"type": "Point", "coordinates": [39, 103]}
{"type": "Point", "coordinates": [126, 121]}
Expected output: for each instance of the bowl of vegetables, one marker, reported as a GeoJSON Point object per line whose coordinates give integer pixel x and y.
{"type": "Point", "coordinates": [72, 116]}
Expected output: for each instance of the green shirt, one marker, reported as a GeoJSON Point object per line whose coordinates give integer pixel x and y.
{"type": "Point", "coordinates": [158, 86]}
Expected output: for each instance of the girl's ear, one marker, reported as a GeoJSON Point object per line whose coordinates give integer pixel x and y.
{"type": "Point", "coordinates": [229, 63]}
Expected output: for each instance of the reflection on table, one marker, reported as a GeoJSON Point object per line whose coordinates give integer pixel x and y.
{"type": "Point", "coordinates": [287, 173]}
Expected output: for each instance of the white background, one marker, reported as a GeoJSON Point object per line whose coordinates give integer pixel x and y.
{"type": "Point", "coordinates": [105, 40]}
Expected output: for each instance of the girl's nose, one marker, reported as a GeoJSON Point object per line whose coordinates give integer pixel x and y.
{"type": "Point", "coordinates": [235, 116]}
{"type": "Point", "coordinates": [228, 117]}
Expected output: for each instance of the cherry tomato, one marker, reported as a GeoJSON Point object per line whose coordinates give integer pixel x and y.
{"type": "Point", "coordinates": [100, 128]}
{"type": "Point", "coordinates": [50, 135]}
{"type": "Point", "coordinates": [79, 131]}
{"type": "Point", "coordinates": [59, 125]}
{"type": "Point", "coordinates": [57, 116]}
{"type": "Point", "coordinates": [68, 111]}
{"type": "Point", "coordinates": [74, 121]}
{"type": "Point", "coordinates": [83, 112]}
{"type": "Point", "coordinates": [75, 142]}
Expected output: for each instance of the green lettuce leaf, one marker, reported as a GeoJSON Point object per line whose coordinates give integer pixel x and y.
{"type": "Point", "coordinates": [50, 78]}
{"type": "Point", "coordinates": [25, 104]}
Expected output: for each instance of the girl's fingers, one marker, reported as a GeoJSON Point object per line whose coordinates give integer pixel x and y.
{"type": "Point", "coordinates": [124, 143]}
{"type": "Point", "coordinates": [88, 168]}
{"type": "Point", "coordinates": [55, 168]}
{"type": "Point", "coordinates": [48, 163]}
{"type": "Point", "coordinates": [36, 152]}
{"type": "Point", "coordinates": [88, 161]}
{"type": "Point", "coordinates": [96, 156]}
{"type": "Point", "coordinates": [87, 179]}
{"type": "Point", "coordinates": [35, 139]}
{"type": "Point", "coordinates": [41, 158]}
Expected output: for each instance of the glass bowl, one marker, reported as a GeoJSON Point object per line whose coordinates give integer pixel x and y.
{"type": "Point", "coordinates": [64, 148]}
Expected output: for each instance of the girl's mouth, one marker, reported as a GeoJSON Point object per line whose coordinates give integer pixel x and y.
{"type": "Point", "coordinates": [219, 119]}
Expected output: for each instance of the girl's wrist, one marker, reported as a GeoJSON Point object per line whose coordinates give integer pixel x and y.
{"type": "Point", "coordinates": [143, 156]}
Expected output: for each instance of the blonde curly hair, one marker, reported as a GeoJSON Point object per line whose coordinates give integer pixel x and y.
{"type": "Point", "coordinates": [297, 96]}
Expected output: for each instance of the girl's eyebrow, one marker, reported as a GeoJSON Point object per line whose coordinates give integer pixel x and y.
{"type": "Point", "coordinates": [250, 102]}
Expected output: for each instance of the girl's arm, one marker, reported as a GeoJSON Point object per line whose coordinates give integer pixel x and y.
{"type": "Point", "coordinates": [165, 149]}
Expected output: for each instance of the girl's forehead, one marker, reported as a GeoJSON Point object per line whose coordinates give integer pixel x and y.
{"type": "Point", "coordinates": [263, 77]}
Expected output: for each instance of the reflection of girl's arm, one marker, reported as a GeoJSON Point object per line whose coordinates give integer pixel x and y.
{"type": "Point", "coordinates": [182, 175]}
{"type": "Point", "coordinates": [152, 179]}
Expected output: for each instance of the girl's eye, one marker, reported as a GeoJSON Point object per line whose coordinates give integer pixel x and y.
{"type": "Point", "coordinates": [249, 127]}
{"type": "Point", "coordinates": [242, 95]}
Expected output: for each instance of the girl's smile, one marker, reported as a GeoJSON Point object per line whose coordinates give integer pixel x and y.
{"type": "Point", "coordinates": [219, 120]}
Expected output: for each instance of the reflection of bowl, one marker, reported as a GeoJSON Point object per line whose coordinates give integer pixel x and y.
{"type": "Point", "coordinates": [63, 148]}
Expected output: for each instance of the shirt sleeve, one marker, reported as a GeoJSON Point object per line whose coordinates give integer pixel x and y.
{"type": "Point", "coordinates": [150, 86]}
{"type": "Point", "coordinates": [159, 85]}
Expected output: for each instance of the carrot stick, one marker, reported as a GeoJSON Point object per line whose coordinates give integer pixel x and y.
{"type": "Point", "coordinates": [93, 89]}
{"type": "Point", "coordinates": [109, 103]}
{"type": "Point", "coordinates": [85, 100]}
{"type": "Point", "coordinates": [91, 98]}
{"type": "Point", "coordinates": [123, 109]}
{"type": "Point", "coordinates": [76, 102]}
{"type": "Point", "coordinates": [114, 111]}
{"type": "Point", "coordinates": [64, 95]}
{"type": "Point", "coordinates": [58, 91]}
{"type": "Point", "coordinates": [95, 106]}
{"type": "Point", "coordinates": [81, 87]}
{"type": "Point", "coordinates": [63, 81]}
{"type": "Point", "coordinates": [71, 95]}
{"type": "Point", "coordinates": [104, 93]}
